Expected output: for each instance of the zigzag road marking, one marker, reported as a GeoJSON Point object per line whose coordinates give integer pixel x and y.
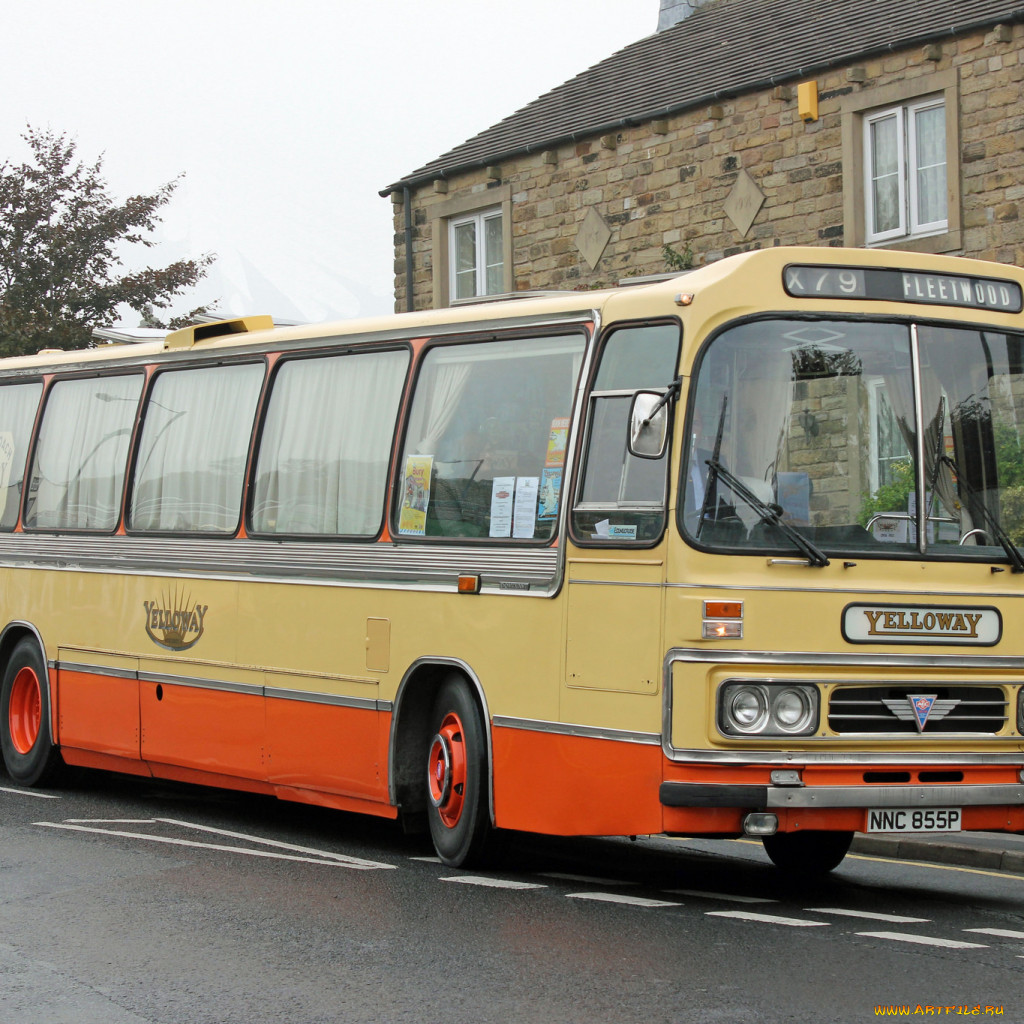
{"type": "Point", "coordinates": [325, 857]}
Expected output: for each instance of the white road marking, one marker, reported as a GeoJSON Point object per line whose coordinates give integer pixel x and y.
{"type": "Point", "coordinates": [922, 940]}
{"type": "Point", "coordinates": [28, 792]}
{"type": "Point", "coordinates": [567, 877]}
{"type": "Point", "coordinates": [493, 883]}
{"type": "Point", "coordinates": [326, 854]}
{"type": "Point", "coordinates": [746, 915]}
{"type": "Point", "coordinates": [615, 897]}
{"type": "Point", "coordinates": [318, 856]}
{"type": "Point", "coordinates": [427, 860]}
{"type": "Point", "coordinates": [728, 896]}
{"type": "Point", "coordinates": [111, 821]}
{"type": "Point", "coordinates": [893, 918]}
{"type": "Point", "coordinates": [1002, 933]}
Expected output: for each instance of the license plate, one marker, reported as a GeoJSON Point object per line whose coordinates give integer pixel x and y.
{"type": "Point", "coordinates": [924, 819]}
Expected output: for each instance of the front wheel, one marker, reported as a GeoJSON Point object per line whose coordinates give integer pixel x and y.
{"type": "Point", "coordinates": [457, 806]}
{"type": "Point", "coordinates": [807, 853]}
{"type": "Point", "coordinates": [29, 754]}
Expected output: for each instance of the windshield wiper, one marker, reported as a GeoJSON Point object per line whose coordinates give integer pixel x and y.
{"type": "Point", "coordinates": [975, 503]}
{"type": "Point", "coordinates": [771, 514]}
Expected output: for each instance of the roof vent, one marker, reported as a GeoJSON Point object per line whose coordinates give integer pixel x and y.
{"type": "Point", "coordinates": [674, 11]}
{"type": "Point", "coordinates": [189, 336]}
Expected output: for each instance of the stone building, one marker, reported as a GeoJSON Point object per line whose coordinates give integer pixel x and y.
{"type": "Point", "coordinates": [738, 124]}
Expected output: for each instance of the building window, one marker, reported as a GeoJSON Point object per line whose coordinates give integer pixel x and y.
{"type": "Point", "coordinates": [472, 246]}
{"type": "Point", "coordinates": [905, 171]}
{"type": "Point", "coordinates": [477, 251]}
{"type": "Point", "coordinates": [888, 445]}
{"type": "Point", "coordinates": [901, 165]}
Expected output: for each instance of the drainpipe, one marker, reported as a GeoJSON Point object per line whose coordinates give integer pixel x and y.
{"type": "Point", "coordinates": [407, 203]}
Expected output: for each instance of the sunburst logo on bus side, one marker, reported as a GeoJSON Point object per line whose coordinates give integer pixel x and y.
{"type": "Point", "coordinates": [175, 622]}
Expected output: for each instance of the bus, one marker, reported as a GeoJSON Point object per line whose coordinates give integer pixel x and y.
{"type": "Point", "coordinates": [734, 553]}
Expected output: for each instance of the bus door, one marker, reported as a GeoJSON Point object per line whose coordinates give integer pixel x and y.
{"type": "Point", "coordinates": [615, 567]}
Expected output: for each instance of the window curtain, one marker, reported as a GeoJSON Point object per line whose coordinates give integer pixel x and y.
{"type": "Point", "coordinates": [322, 465]}
{"type": "Point", "coordinates": [18, 405]}
{"type": "Point", "coordinates": [450, 378]}
{"type": "Point", "coordinates": [930, 165]}
{"type": "Point", "coordinates": [192, 455]}
{"type": "Point", "coordinates": [79, 466]}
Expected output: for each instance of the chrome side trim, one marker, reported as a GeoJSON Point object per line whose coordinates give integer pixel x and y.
{"type": "Point", "coordinates": [896, 796]}
{"type": "Point", "coordinates": [96, 670]}
{"type": "Point", "coordinates": [584, 731]}
{"type": "Point", "coordinates": [839, 752]}
{"type": "Point", "coordinates": [875, 593]}
{"type": "Point", "coordinates": [613, 583]}
{"type": "Point", "coordinates": [535, 572]}
{"type": "Point", "coordinates": [312, 697]}
{"type": "Point", "coordinates": [252, 689]}
{"type": "Point", "coordinates": [219, 685]}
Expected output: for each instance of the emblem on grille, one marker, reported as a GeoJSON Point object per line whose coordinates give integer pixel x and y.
{"type": "Point", "coordinates": [919, 708]}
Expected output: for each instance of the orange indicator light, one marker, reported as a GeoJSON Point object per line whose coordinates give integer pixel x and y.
{"type": "Point", "coordinates": [469, 584]}
{"type": "Point", "coordinates": [723, 609]}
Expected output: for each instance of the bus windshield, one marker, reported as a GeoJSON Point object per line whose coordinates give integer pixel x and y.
{"type": "Point", "coordinates": [860, 437]}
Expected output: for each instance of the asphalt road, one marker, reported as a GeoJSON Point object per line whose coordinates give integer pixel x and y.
{"type": "Point", "coordinates": [133, 902]}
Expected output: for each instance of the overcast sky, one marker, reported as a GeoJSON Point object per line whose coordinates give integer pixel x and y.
{"type": "Point", "coordinates": [286, 118]}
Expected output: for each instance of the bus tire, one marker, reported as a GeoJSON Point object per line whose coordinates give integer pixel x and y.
{"type": "Point", "coordinates": [457, 802]}
{"type": "Point", "coordinates": [807, 853]}
{"type": "Point", "coordinates": [29, 754]}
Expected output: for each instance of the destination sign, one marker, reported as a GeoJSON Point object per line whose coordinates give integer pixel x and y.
{"type": "Point", "coordinates": [885, 285]}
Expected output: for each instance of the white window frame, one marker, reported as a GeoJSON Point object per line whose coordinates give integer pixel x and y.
{"type": "Point", "coordinates": [862, 103]}
{"type": "Point", "coordinates": [479, 220]}
{"type": "Point", "coordinates": [909, 225]}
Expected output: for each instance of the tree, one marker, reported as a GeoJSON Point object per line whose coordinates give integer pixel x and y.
{"type": "Point", "coordinates": [61, 239]}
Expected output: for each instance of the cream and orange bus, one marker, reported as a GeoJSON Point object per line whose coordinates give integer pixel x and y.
{"type": "Point", "coordinates": [731, 553]}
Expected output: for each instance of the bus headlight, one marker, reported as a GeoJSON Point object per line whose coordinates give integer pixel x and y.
{"type": "Point", "coordinates": [1020, 710]}
{"type": "Point", "coordinates": [767, 709]}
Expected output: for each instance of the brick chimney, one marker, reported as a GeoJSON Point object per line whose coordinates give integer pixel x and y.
{"type": "Point", "coordinates": [673, 11]}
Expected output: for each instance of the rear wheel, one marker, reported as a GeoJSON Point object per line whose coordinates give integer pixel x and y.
{"type": "Point", "coordinates": [807, 853]}
{"type": "Point", "coordinates": [457, 806]}
{"type": "Point", "coordinates": [29, 755]}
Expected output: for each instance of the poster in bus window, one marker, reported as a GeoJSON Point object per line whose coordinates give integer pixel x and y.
{"type": "Point", "coordinates": [557, 440]}
{"type": "Point", "coordinates": [412, 520]}
{"type": "Point", "coordinates": [547, 498]}
{"type": "Point", "coordinates": [502, 498]}
{"type": "Point", "coordinates": [525, 521]}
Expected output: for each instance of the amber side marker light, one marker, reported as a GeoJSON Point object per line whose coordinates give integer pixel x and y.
{"type": "Point", "coordinates": [723, 620]}
{"type": "Point", "coordinates": [469, 584]}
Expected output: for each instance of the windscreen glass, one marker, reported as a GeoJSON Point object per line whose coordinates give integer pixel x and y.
{"type": "Point", "coordinates": [812, 427]}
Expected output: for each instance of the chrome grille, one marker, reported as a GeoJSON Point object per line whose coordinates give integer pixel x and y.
{"type": "Point", "coordinates": [887, 709]}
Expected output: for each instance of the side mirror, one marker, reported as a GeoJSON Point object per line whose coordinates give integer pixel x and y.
{"type": "Point", "coordinates": [648, 425]}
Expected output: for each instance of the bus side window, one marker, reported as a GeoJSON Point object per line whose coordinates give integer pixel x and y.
{"type": "Point", "coordinates": [190, 465]}
{"type": "Point", "coordinates": [479, 460]}
{"type": "Point", "coordinates": [18, 406]}
{"type": "Point", "coordinates": [323, 461]}
{"type": "Point", "coordinates": [621, 498]}
{"type": "Point", "coordinates": [78, 469]}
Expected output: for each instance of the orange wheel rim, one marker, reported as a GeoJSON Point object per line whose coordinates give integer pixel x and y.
{"type": "Point", "coordinates": [446, 770]}
{"type": "Point", "coordinates": [25, 712]}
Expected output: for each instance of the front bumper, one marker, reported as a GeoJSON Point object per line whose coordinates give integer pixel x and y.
{"type": "Point", "coordinates": [756, 797]}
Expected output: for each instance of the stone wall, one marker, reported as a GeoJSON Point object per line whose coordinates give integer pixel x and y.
{"type": "Point", "coordinates": [745, 173]}
{"type": "Point", "coordinates": [827, 440]}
